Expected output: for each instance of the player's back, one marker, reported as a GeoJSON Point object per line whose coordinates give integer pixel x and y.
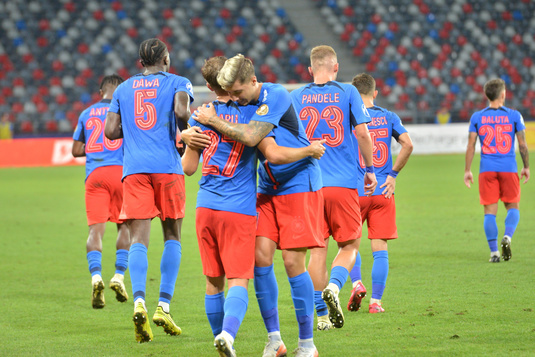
{"type": "Point", "coordinates": [99, 150]}
{"type": "Point", "coordinates": [275, 106]}
{"type": "Point", "coordinates": [228, 180]}
{"type": "Point", "coordinates": [146, 106]}
{"type": "Point", "coordinates": [496, 128]}
{"type": "Point", "coordinates": [330, 111]}
{"type": "Point", "coordinates": [383, 126]}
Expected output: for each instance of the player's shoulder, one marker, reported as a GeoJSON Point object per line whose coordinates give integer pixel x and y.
{"type": "Point", "coordinates": [273, 92]}
{"type": "Point", "coordinates": [511, 111]}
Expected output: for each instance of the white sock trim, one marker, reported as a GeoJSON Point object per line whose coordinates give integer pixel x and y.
{"type": "Point", "coordinates": [164, 305]}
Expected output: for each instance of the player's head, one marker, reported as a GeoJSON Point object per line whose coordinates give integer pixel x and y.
{"type": "Point", "coordinates": [365, 84]}
{"type": "Point", "coordinates": [323, 59]}
{"type": "Point", "coordinates": [494, 89]}
{"type": "Point", "coordinates": [109, 83]}
{"type": "Point", "coordinates": [210, 70]}
{"type": "Point", "coordinates": [154, 52]}
{"type": "Point", "coordinates": [238, 78]}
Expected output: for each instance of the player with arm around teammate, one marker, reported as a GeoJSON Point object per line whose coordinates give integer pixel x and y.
{"type": "Point", "coordinates": [146, 110]}
{"type": "Point", "coordinates": [103, 191]}
{"type": "Point", "coordinates": [378, 210]}
{"type": "Point", "coordinates": [289, 202]}
{"type": "Point", "coordinates": [329, 110]}
{"type": "Point", "coordinates": [226, 212]}
{"type": "Point", "coordinates": [496, 126]}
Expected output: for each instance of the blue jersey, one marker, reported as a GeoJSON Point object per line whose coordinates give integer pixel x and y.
{"type": "Point", "coordinates": [382, 128]}
{"type": "Point", "coordinates": [496, 129]}
{"type": "Point", "coordinates": [275, 106]}
{"type": "Point", "coordinates": [330, 111]}
{"type": "Point", "coordinates": [99, 150]}
{"type": "Point", "coordinates": [228, 180]}
{"type": "Point", "coordinates": [146, 107]}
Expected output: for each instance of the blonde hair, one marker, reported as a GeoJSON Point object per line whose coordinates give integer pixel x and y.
{"type": "Point", "coordinates": [236, 69]}
{"type": "Point", "coordinates": [322, 56]}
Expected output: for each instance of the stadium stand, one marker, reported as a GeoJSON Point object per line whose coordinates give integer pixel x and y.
{"type": "Point", "coordinates": [427, 58]}
{"type": "Point", "coordinates": [54, 53]}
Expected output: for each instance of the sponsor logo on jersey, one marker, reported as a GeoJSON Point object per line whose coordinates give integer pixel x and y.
{"type": "Point", "coordinates": [265, 95]}
{"type": "Point", "coordinates": [262, 110]}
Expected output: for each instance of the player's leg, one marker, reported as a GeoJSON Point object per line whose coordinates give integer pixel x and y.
{"type": "Point", "coordinates": [343, 262]}
{"type": "Point", "coordinates": [491, 231]}
{"type": "Point", "coordinates": [94, 261]}
{"type": "Point", "coordinates": [358, 292]}
{"type": "Point", "coordinates": [379, 273]}
{"type": "Point", "coordinates": [489, 194]}
{"type": "Point", "coordinates": [511, 222]}
{"type": "Point", "coordinates": [317, 268]}
{"type": "Point", "coordinates": [121, 261]}
{"type": "Point", "coordinates": [138, 264]}
{"type": "Point", "coordinates": [267, 294]}
{"type": "Point", "coordinates": [235, 307]}
{"type": "Point", "coordinates": [169, 266]}
{"type": "Point", "coordinates": [214, 303]}
{"type": "Point", "coordinates": [302, 290]}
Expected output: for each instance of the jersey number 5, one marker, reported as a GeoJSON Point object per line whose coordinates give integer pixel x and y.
{"type": "Point", "coordinates": [145, 111]}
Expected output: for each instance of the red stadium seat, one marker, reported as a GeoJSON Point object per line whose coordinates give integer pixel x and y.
{"type": "Point", "coordinates": [26, 127]}
{"type": "Point", "coordinates": [51, 126]}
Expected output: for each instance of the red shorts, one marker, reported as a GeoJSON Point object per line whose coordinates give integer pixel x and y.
{"type": "Point", "coordinates": [342, 214]}
{"type": "Point", "coordinates": [104, 195]}
{"type": "Point", "coordinates": [226, 243]}
{"type": "Point", "coordinates": [292, 221]}
{"type": "Point", "coordinates": [149, 195]}
{"type": "Point", "coordinates": [494, 186]}
{"type": "Point", "coordinates": [380, 215]}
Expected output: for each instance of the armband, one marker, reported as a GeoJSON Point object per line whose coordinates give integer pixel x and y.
{"type": "Point", "coordinates": [393, 173]}
{"type": "Point", "coordinates": [369, 170]}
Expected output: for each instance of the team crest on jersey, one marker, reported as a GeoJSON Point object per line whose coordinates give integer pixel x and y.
{"type": "Point", "coordinates": [262, 110]}
{"type": "Point", "coordinates": [365, 111]}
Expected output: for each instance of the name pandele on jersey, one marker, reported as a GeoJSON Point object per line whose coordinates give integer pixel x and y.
{"type": "Point", "coordinates": [97, 112]}
{"type": "Point", "coordinates": [141, 83]}
{"type": "Point", "coordinates": [502, 119]}
{"type": "Point", "coordinates": [321, 98]}
{"type": "Point", "coordinates": [378, 121]}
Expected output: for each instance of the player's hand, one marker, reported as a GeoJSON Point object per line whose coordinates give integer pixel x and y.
{"type": "Point", "coordinates": [370, 183]}
{"type": "Point", "coordinates": [524, 173]}
{"type": "Point", "coordinates": [468, 178]}
{"type": "Point", "coordinates": [203, 113]}
{"type": "Point", "coordinates": [317, 149]}
{"type": "Point", "coordinates": [194, 138]}
{"type": "Point", "coordinates": [389, 185]}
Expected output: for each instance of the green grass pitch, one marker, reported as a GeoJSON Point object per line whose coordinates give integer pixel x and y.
{"type": "Point", "coordinates": [442, 295]}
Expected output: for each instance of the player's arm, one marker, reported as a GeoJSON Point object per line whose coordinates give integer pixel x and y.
{"type": "Point", "coordinates": [182, 111]}
{"type": "Point", "coordinates": [78, 148]}
{"type": "Point", "coordinates": [279, 155]}
{"type": "Point", "coordinates": [113, 129]}
{"type": "Point", "coordinates": [366, 150]}
{"type": "Point", "coordinates": [190, 160]}
{"type": "Point", "coordinates": [404, 153]}
{"type": "Point", "coordinates": [524, 153]}
{"type": "Point", "coordinates": [470, 150]}
{"type": "Point", "coordinates": [248, 134]}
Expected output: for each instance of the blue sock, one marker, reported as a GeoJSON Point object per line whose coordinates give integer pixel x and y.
{"type": "Point", "coordinates": [172, 252]}
{"type": "Point", "coordinates": [235, 308]}
{"type": "Point", "coordinates": [303, 297]}
{"type": "Point", "coordinates": [338, 276]}
{"type": "Point", "coordinates": [355, 272]}
{"type": "Point", "coordinates": [94, 260]}
{"type": "Point", "coordinates": [213, 305]}
{"type": "Point", "coordinates": [138, 264]}
{"type": "Point", "coordinates": [491, 231]}
{"type": "Point", "coordinates": [267, 295]}
{"type": "Point", "coordinates": [121, 261]}
{"type": "Point", "coordinates": [511, 221]}
{"type": "Point", "coordinates": [321, 306]}
{"type": "Point", "coordinates": [379, 273]}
